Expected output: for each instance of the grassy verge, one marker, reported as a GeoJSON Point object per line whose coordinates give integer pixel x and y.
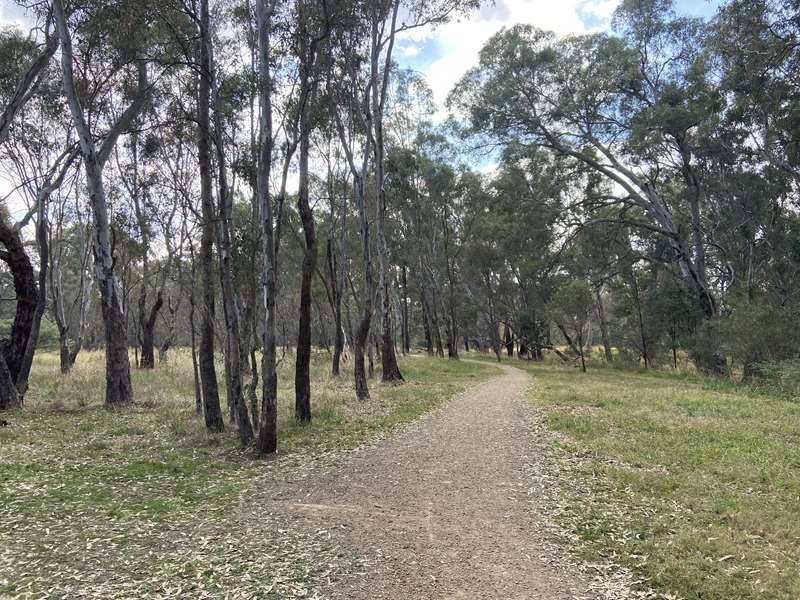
{"type": "Point", "coordinates": [142, 500]}
{"type": "Point", "coordinates": [691, 484]}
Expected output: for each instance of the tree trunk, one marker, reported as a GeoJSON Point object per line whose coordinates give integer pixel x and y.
{"type": "Point", "coordinates": [63, 351]}
{"type": "Point", "coordinates": [118, 377]}
{"type": "Point", "coordinates": [208, 373]}
{"type": "Point", "coordinates": [640, 318]}
{"type": "Point", "coordinates": [235, 389]}
{"type": "Point", "coordinates": [437, 335]}
{"type": "Point", "coordinates": [267, 440]}
{"type": "Point", "coordinates": [198, 396]}
{"type": "Point", "coordinates": [338, 342]}
{"type": "Point", "coordinates": [673, 335]}
{"type": "Point", "coordinates": [391, 370]}
{"type": "Point", "coordinates": [13, 348]}
{"type": "Point", "coordinates": [146, 325]}
{"type": "Point", "coordinates": [41, 301]}
{"type": "Point", "coordinates": [601, 314]}
{"type": "Point", "coordinates": [406, 323]}
{"type": "Point", "coordinates": [147, 360]}
{"type": "Point", "coordinates": [426, 320]}
{"type": "Point", "coordinates": [494, 325]}
{"type": "Point", "coordinates": [82, 301]}
{"type": "Point", "coordinates": [302, 380]}
{"type": "Point", "coordinates": [371, 358]}
{"type": "Point", "coordinates": [362, 334]}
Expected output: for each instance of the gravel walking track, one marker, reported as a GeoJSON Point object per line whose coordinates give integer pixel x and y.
{"type": "Point", "coordinates": [444, 509]}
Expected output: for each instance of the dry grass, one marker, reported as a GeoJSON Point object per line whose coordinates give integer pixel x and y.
{"type": "Point", "coordinates": [143, 502]}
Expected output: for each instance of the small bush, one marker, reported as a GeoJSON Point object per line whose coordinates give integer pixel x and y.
{"type": "Point", "coordinates": [783, 375]}
{"type": "Point", "coordinates": [757, 333]}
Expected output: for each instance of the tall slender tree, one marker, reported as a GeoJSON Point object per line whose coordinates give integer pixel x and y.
{"type": "Point", "coordinates": [267, 439]}
{"type": "Point", "coordinates": [118, 378]}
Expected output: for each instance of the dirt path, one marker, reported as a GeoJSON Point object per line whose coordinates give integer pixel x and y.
{"type": "Point", "coordinates": [443, 510]}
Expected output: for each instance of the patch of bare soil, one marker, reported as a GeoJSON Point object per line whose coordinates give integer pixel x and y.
{"type": "Point", "coordinates": [444, 509]}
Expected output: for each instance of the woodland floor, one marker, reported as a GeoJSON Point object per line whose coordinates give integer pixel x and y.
{"type": "Point", "coordinates": [371, 502]}
{"type": "Point", "coordinates": [468, 481]}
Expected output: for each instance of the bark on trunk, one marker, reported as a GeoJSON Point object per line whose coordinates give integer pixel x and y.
{"type": "Point", "coordinates": [359, 172]}
{"type": "Point", "coordinates": [362, 334]}
{"type": "Point", "coordinates": [148, 359]}
{"type": "Point", "coordinates": [41, 301]}
{"type": "Point", "coordinates": [437, 334]}
{"type": "Point", "coordinates": [640, 318]}
{"type": "Point", "coordinates": [406, 324]}
{"type": "Point", "coordinates": [208, 373]}
{"type": "Point", "coordinates": [302, 379]}
{"type": "Point", "coordinates": [267, 440]}
{"type": "Point", "coordinates": [508, 340]}
{"type": "Point", "coordinates": [391, 370]}
{"type": "Point", "coordinates": [235, 389]}
{"type": "Point", "coordinates": [198, 395]}
{"type": "Point", "coordinates": [338, 342]}
{"type": "Point", "coordinates": [426, 320]}
{"type": "Point", "coordinates": [12, 349]}
{"type": "Point", "coordinates": [118, 378]}
{"type": "Point", "coordinates": [601, 315]}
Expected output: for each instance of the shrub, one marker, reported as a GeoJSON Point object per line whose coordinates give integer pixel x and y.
{"type": "Point", "coordinates": [756, 333]}
{"type": "Point", "coordinates": [783, 375]}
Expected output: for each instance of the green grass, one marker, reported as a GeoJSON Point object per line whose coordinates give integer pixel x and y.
{"type": "Point", "coordinates": [693, 484]}
{"type": "Point", "coordinates": [86, 491]}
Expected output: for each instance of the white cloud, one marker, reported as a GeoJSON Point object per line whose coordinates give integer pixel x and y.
{"type": "Point", "coordinates": [410, 50]}
{"type": "Point", "coordinates": [16, 16]}
{"type": "Point", "coordinates": [602, 9]}
{"type": "Point", "coordinates": [459, 43]}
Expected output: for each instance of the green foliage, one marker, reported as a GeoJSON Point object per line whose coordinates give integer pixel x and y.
{"type": "Point", "coordinates": [758, 332]}
{"type": "Point", "coordinates": [781, 375]}
{"type": "Point", "coordinates": [48, 333]}
{"type": "Point", "coordinates": [571, 305]}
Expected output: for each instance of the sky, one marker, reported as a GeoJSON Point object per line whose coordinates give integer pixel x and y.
{"type": "Point", "coordinates": [443, 55]}
{"type": "Point", "coordinates": [10, 13]}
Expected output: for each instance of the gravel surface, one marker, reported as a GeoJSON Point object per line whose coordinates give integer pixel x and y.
{"type": "Point", "coordinates": [444, 508]}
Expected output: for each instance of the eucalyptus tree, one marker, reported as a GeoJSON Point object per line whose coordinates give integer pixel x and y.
{"type": "Point", "coordinates": [757, 44]}
{"type": "Point", "coordinates": [27, 61]}
{"type": "Point", "coordinates": [627, 107]}
{"type": "Point", "coordinates": [386, 19]}
{"type": "Point", "coordinates": [267, 438]}
{"type": "Point", "coordinates": [70, 278]}
{"type": "Point", "coordinates": [426, 192]}
{"type": "Point", "coordinates": [348, 94]}
{"type": "Point", "coordinates": [224, 95]}
{"type": "Point", "coordinates": [39, 154]}
{"type": "Point", "coordinates": [96, 148]}
{"type": "Point", "coordinates": [313, 22]}
{"type": "Point", "coordinates": [529, 190]}
{"type": "Point", "coordinates": [26, 294]}
{"type": "Point", "coordinates": [571, 308]}
{"type": "Point", "coordinates": [138, 178]}
{"type": "Point", "coordinates": [335, 189]}
{"type": "Point", "coordinates": [208, 374]}
{"type": "Point", "coordinates": [17, 90]}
